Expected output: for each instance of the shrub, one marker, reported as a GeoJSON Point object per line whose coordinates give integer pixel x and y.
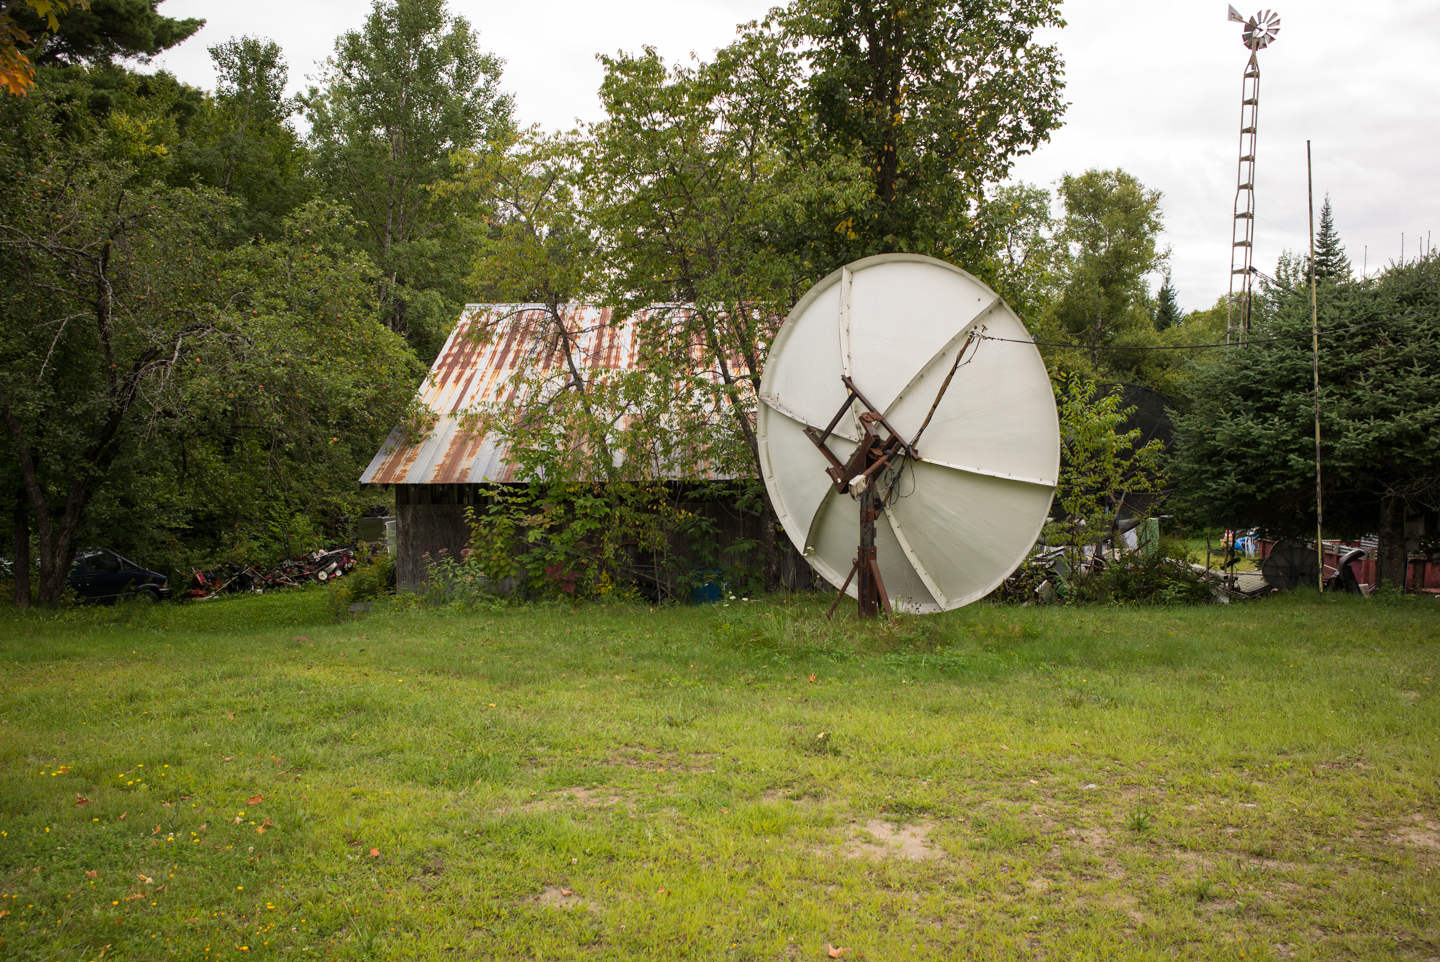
{"type": "Point", "coordinates": [1162, 578]}
{"type": "Point", "coordinates": [367, 582]}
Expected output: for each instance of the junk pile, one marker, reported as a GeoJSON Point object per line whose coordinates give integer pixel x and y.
{"type": "Point", "coordinates": [234, 578]}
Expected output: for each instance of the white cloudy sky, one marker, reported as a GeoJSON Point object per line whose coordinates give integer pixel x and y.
{"type": "Point", "coordinates": [1154, 87]}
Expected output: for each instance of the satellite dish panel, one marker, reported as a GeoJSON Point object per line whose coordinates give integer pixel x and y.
{"type": "Point", "coordinates": [1290, 565]}
{"type": "Point", "coordinates": [942, 377]}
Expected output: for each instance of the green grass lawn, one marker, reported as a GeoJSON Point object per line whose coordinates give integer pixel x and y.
{"type": "Point", "coordinates": [249, 778]}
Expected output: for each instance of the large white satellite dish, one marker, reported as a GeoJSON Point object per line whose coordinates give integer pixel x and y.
{"type": "Point", "coordinates": [940, 379]}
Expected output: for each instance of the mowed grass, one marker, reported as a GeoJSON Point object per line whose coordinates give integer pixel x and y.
{"type": "Point", "coordinates": [250, 778]}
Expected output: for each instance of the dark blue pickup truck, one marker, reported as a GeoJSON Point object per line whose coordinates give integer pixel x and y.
{"type": "Point", "coordinates": [100, 574]}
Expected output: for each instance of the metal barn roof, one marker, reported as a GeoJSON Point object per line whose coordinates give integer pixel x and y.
{"type": "Point", "coordinates": [468, 373]}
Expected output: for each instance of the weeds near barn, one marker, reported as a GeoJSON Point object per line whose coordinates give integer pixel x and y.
{"type": "Point", "coordinates": [249, 776]}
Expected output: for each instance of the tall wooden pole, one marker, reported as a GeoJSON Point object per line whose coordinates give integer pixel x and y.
{"type": "Point", "coordinates": [1315, 356]}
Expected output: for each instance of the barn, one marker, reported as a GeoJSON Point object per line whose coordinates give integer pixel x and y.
{"type": "Point", "coordinates": [452, 467]}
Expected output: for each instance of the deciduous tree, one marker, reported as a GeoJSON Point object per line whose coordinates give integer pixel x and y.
{"type": "Point", "coordinates": [400, 98]}
{"type": "Point", "coordinates": [935, 98]}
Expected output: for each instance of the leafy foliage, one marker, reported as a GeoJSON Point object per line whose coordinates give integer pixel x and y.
{"type": "Point", "coordinates": [241, 142]}
{"type": "Point", "coordinates": [401, 97]}
{"type": "Point", "coordinates": [1109, 233]}
{"type": "Point", "coordinates": [1162, 577]}
{"type": "Point", "coordinates": [101, 31]}
{"type": "Point", "coordinates": [1100, 466]}
{"type": "Point", "coordinates": [23, 23]}
{"type": "Point", "coordinates": [935, 99]}
{"type": "Point", "coordinates": [1245, 448]}
{"type": "Point", "coordinates": [203, 380]}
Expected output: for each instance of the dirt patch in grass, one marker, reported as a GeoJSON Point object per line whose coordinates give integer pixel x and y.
{"type": "Point", "coordinates": [560, 897]}
{"type": "Point", "coordinates": [1423, 834]}
{"type": "Point", "coordinates": [563, 798]}
{"type": "Point", "coordinates": [888, 840]}
{"type": "Point", "coordinates": [686, 763]}
{"type": "Point", "coordinates": [792, 795]}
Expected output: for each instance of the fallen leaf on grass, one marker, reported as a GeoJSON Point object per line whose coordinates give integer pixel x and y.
{"type": "Point", "coordinates": [192, 920]}
{"type": "Point", "coordinates": [227, 758]}
{"type": "Point", "coordinates": [259, 829]}
{"type": "Point", "coordinates": [92, 873]}
{"type": "Point", "coordinates": [157, 830]}
{"type": "Point", "coordinates": [230, 715]}
{"type": "Point", "coordinates": [255, 800]}
{"type": "Point", "coordinates": [81, 800]}
{"type": "Point", "coordinates": [133, 897]}
{"type": "Point", "coordinates": [238, 820]}
{"type": "Point", "coordinates": [4, 912]}
{"type": "Point", "coordinates": [374, 853]}
{"type": "Point", "coordinates": [812, 677]}
{"type": "Point", "coordinates": [566, 892]}
{"type": "Point", "coordinates": [145, 878]}
{"type": "Point", "coordinates": [834, 952]}
{"type": "Point", "coordinates": [123, 814]}
{"type": "Point", "coordinates": [299, 637]}
{"type": "Point", "coordinates": [204, 826]}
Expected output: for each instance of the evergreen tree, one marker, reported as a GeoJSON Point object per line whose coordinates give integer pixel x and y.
{"type": "Point", "coordinates": [106, 30]}
{"type": "Point", "coordinates": [1167, 311]}
{"type": "Point", "coordinates": [1245, 446]}
{"type": "Point", "coordinates": [1330, 259]}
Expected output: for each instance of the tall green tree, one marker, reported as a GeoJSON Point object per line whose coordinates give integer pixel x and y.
{"type": "Point", "coordinates": [935, 98]}
{"type": "Point", "coordinates": [146, 362]}
{"type": "Point", "coordinates": [1110, 232]}
{"type": "Point", "coordinates": [401, 98]}
{"type": "Point", "coordinates": [1330, 260]}
{"type": "Point", "coordinates": [1245, 448]}
{"type": "Point", "coordinates": [1022, 262]}
{"type": "Point", "coordinates": [241, 141]}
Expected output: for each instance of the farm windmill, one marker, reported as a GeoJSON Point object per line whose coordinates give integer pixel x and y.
{"type": "Point", "coordinates": [1259, 32]}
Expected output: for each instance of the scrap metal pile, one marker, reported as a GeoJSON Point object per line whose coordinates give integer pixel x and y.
{"type": "Point", "coordinates": [319, 566]}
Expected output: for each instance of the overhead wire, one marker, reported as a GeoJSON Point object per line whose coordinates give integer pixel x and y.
{"type": "Point", "coordinates": [1195, 347]}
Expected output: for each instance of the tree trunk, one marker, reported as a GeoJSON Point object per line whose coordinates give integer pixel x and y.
{"type": "Point", "coordinates": [1390, 566]}
{"type": "Point", "coordinates": [22, 552]}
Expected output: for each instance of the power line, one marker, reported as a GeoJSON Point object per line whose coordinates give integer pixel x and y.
{"type": "Point", "coordinates": [1193, 347]}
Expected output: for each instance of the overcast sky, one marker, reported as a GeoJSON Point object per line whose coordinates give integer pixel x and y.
{"type": "Point", "coordinates": [1154, 87]}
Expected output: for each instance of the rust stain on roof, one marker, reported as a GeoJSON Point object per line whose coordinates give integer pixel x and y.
{"type": "Point", "coordinates": [488, 345]}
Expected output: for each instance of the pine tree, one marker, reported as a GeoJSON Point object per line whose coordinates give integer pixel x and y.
{"type": "Point", "coordinates": [1330, 259]}
{"type": "Point", "coordinates": [1167, 311]}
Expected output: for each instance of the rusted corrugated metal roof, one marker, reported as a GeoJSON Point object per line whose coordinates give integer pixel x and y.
{"type": "Point", "coordinates": [468, 373]}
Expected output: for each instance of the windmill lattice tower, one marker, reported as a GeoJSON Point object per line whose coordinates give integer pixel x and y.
{"type": "Point", "coordinates": [1260, 31]}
